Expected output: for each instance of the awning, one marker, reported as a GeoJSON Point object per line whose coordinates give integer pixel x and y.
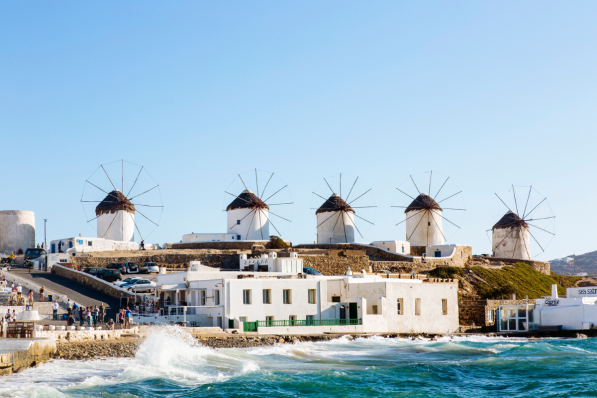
{"type": "Point", "coordinates": [180, 286]}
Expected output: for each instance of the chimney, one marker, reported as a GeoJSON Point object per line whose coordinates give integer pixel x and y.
{"type": "Point", "coordinates": [554, 291]}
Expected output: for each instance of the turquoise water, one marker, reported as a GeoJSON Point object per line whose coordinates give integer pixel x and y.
{"type": "Point", "coordinates": [171, 364]}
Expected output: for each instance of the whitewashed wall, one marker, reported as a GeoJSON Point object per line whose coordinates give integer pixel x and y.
{"type": "Point", "coordinates": [17, 230]}
{"type": "Point", "coordinates": [252, 227]}
{"type": "Point", "coordinates": [119, 226]}
{"type": "Point", "coordinates": [339, 227]}
{"type": "Point", "coordinates": [516, 245]}
{"type": "Point", "coordinates": [428, 231]}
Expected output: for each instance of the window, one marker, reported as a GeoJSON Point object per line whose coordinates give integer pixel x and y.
{"type": "Point", "coordinates": [243, 319]}
{"type": "Point", "coordinates": [310, 319]}
{"type": "Point", "coordinates": [490, 316]}
{"type": "Point", "coordinates": [267, 296]}
{"type": "Point", "coordinates": [399, 306]}
{"type": "Point", "coordinates": [217, 297]}
{"type": "Point", "coordinates": [374, 312]}
{"type": "Point", "coordinates": [444, 306]}
{"type": "Point", "coordinates": [428, 223]}
{"type": "Point", "coordinates": [287, 296]}
{"type": "Point", "coordinates": [418, 306]}
{"type": "Point", "coordinates": [233, 238]}
{"type": "Point", "coordinates": [335, 299]}
{"type": "Point", "coordinates": [269, 320]}
{"type": "Point", "coordinates": [237, 237]}
{"type": "Point", "coordinates": [202, 297]}
{"type": "Point", "coordinates": [292, 319]}
{"type": "Point", "coordinates": [311, 296]}
{"type": "Point", "coordinates": [237, 222]}
{"type": "Point", "coordinates": [247, 296]}
{"type": "Point", "coordinates": [402, 249]}
{"type": "Point", "coordinates": [89, 243]}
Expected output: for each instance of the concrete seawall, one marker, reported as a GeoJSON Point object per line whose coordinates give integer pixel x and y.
{"type": "Point", "coordinates": [19, 354]}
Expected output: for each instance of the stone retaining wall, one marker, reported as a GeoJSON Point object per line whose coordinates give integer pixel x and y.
{"type": "Point", "coordinates": [539, 266]}
{"type": "Point", "coordinates": [336, 265]}
{"type": "Point", "coordinates": [93, 282]}
{"type": "Point", "coordinates": [400, 266]}
{"type": "Point", "coordinates": [242, 245]}
{"type": "Point", "coordinates": [168, 260]}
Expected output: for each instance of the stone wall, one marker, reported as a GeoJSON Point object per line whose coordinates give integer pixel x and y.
{"type": "Point", "coordinates": [93, 282]}
{"type": "Point", "coordinates": [241, 245]}
{"type": "Point", "coordinates": [333, 265]}
{"type": "Point", "coordinates": [461, 256]}
{"type": "Point", "coordinates": [475, 312]}
{"type": "Point", "coordinates": [400, 266]}
{"type": "Point", "coordinates": [168, 260]}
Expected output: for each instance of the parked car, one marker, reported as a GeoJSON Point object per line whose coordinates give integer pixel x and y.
{"type": "Point", "coordinates": [151, 268]}
{"type": "Point", "coordinates": [92, 271]}
{"type": "Point", "coordinates": [33, 253]}
{"type": "Point", "coordinates": [109, 275]}
{"type": "Point", "coordinates": [131, 267]}
{"type": "Point", "coordinates": [311, 271]}
{"type": "Point", "coordinates": [118, 266]}
{"type": "Point", "coordinates": [140, 285]}
{"type": "Point", "coordinates": [126, 281]}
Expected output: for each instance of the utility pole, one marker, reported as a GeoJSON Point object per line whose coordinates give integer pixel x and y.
{"type": "Point", "coordinates": [45, 241]}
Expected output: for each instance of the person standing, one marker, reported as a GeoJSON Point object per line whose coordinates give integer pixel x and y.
{"type": "Point", "coordinates": [121, 318]}
{"type": "Point", "coordinates": [82, 315]}
{"type": "Point", "coordinates": [102, 312]}
{"type": "Point", "coordinates": [127, 318]}
{"type": "Point", "coordinates": [41, 293]}
{"type": "Point", "coordinates": [95, 316]}
{"type": "Point", "coordinates": [55, 307]}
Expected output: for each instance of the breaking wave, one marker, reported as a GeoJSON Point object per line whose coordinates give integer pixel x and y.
{"type": "Point", "coordinates": [171, 363]}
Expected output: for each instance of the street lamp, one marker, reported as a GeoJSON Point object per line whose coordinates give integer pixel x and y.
{"type": "Point", "coordinates": [45, 241]}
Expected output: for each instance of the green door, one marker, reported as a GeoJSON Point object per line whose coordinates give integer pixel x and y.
{"type": "Point", "coordinates": [353, 311]}
{"type": "Point", "coordinates": [250, 326]}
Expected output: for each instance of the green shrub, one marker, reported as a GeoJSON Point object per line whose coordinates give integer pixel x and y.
{"type": "Point", "coordinates": [446, 272]}
{"type": "Point", "coordinates": [276, 243]}
{"type": "Point", "coordinates": [520, 279]}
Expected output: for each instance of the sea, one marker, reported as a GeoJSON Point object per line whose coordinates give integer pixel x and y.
{"type": "Point", "coordinates": [170, 363]}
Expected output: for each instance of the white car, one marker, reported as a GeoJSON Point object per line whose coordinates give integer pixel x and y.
{"type": "Point", "coordinates": [126, 281]}
{"type": "Point", "coordinates": [140, 285]}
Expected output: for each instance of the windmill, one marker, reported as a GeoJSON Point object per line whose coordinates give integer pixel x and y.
{"type": "Point", "coordinates": [425, 213]}
{"type": "Point", "coordinates": [514, 236]}
{"type": "Point", "coordinates": [249, 213]}
{"type": "Point", "coordinates": [336, 221]}
{"type": "Point", "coordinates": [116, 211]}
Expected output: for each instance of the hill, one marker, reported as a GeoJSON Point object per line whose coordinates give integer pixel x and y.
{"type": "Point", "coordinates": [573, 264]}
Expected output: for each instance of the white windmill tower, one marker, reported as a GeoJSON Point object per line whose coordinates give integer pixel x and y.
{"type": "Point", "coordinates": [336, 217]}
{"type": "Point", "coordinates": [118, 215]}
{"type": "Point", "coordinates": [424, 216]}
{"type": "Point", "coordinates": [116, 218]}
{"type": "Point", "coordinates": [249, 214]}
{"type": "Point", "coordinates": [511, 235]}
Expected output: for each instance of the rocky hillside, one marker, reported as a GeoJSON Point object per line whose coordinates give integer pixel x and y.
{"type": "Point", "coordinates": [573, 264]}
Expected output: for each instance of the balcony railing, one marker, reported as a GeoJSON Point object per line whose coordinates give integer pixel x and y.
{"type": "Point", "coordinates": [310, 322]}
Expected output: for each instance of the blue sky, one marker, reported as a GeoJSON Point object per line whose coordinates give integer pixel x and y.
{"type": "Point", "coordinates": [491, 94]}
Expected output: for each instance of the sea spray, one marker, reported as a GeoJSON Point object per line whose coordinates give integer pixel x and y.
{"type": "Point", "coordinates": [171, 363]}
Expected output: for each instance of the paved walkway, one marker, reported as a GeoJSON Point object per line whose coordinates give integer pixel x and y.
{"type": "Point", "coordinates": [76, 291]}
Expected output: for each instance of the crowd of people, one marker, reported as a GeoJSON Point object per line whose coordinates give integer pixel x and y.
{"type": "Point", "coordinates": [92, 316]}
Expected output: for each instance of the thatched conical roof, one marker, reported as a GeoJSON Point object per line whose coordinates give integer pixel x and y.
{"type": "Point", "coordinates": [114, 202]}
{"type": "Point", "coordinates": [246, 200]}
{"type": "Point", "coordinates": [423, 202]}
{"type": "Point", "coordinates": [334, 203]}
{"type": "Point", "coordinates": [510, 220]}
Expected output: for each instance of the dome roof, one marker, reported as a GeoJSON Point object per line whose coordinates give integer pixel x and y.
{"type": "Point", "coordinates": [423, 202]}
{"type": "Point", "coordinates": [510, 220]}
{"type": "Point", "coordinates": [246, 200]}
{"type": "Point", "coordinates": [114, 202]}
{"type": "Point", "coordinates": [334, 203]}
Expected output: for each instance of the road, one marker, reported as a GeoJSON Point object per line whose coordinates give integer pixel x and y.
{"type": "Point", "coordinates": [76, 291]}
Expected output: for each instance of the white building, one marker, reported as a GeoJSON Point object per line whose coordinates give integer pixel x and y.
{"type": "Point", "coordinates": [510, 237]}
{"type": "Point", "coordinates": [396, 246]}
{"type": "Point", "coordinates": [247, 219]}
{"type": "Point", "coordinates": [116, 218]}
{"type": "Point", "coordinates": [335, 221]}
{"type": "Point", "coordinates": [576, 311]}
{"type": "Point", "coordinates": [424, 225]}
{"type": "Point", "coordinates": [274, 297]}
{"type": "Point", "coordinates": [83, 244]}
